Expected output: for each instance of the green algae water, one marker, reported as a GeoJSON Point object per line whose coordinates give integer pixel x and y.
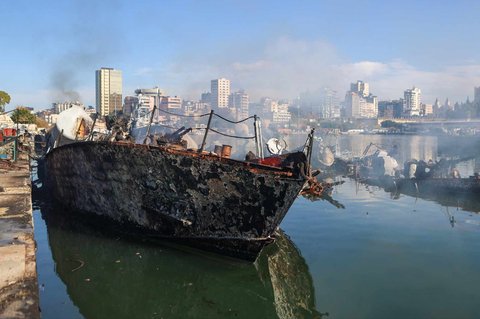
{"type": "Point", "coordinates": [377, 257]}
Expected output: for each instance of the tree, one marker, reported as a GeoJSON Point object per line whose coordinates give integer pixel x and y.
{"type": "Point", "coordinates": [389, 123]}
{"type": "Point", "coordinates": [4, 99]}
{"type": "Point", "coordinates": [23, 116]}
{"type": "Point", "coordinates": [41, 122]}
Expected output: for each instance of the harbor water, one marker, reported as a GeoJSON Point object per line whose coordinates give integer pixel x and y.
{"type": "Point", "coordinates": [371, 255]}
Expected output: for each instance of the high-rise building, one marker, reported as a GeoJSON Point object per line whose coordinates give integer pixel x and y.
{"type": "Point", "coordinates": [239, 102]}
{"type": "Point", "coordinates": [362, 88]}
{"type": "Point", "coordinates": [220, 89]}
{"type": "Point", "coordinates": [359, 102]}
{"type": "Point", "coordinates": [476, 95]}
{"type": "Point", "coordinates": [108, 83]}
{"type": "Point", "coordinates": [206, 97]}
{"type": "Point", "coordinates": [412, 101]}
{"type": "Point", "coordinates": [329, 106]}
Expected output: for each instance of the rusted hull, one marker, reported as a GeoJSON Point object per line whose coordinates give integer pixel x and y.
{"type": "Point", "coordinates": [213, 203]}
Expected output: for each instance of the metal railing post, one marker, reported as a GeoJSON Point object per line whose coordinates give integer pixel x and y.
{"type": "Point", "coordinates": [255, 134]}
{"type": "Point", "coordinates": [260, 139]}
{"type": "Point", "coordinates": [149, 124]}
{"type": "Point", "coordinates": [310, 151]}
{"type": "Point", "coordinates": [200, 150]}
{"type": "Point", "coordinates": [90, 136]}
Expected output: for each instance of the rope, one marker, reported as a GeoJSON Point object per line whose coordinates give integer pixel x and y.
{"type": "Point", "coordinates": [213, 130]}
{"type": "Point", "coordinates": [233, 122]}
{"type": "Point", "coordinates": [207, 114]}
{"type": "Point", "coordinates": [181, 115]}
{"type": "Point", "coordinates": [234, 136]}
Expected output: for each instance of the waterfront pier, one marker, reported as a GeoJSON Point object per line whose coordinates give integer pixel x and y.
{"type": "Point", "coordinates": [18, 274]}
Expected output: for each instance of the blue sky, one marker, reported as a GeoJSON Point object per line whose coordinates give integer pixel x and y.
{"type": "Point", "coordinates": [50, 50]}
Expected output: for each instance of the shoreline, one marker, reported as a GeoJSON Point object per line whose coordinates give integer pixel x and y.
{"type": "Point", "coordinates": [19, 297]}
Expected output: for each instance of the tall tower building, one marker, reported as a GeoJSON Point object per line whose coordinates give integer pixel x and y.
{"type": "Point", "coordinates": [361, 88]}
{"type": "Point", "coordinates": [239, 102]}
{"type": "Point", "coordinates": [476, 95]}
{"type": "Point", "coordinates": [108, 84]}
{"type": "Point", "coordinates": [412, 101]}
{"type": "Point", "coordinates": [220, 89]}
{"type": "Point", "coordinates": [329, 107]}
{"type": "Point", "coordinates": [359, 102]}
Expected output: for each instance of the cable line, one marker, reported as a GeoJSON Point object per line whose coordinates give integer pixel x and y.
{"type": "Point", "coordinates": [233, 136]}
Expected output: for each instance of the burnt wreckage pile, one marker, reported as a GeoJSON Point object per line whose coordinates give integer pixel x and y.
{"type": "Point", "coordinates": [165, 189]}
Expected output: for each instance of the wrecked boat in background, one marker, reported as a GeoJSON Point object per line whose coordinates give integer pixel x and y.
{"type": "Point", "coordinates": [428, 185]}
{"type": "Point", "coordinates": [416, 177]}
{"type": "Point", "coordinates": [165, 189]}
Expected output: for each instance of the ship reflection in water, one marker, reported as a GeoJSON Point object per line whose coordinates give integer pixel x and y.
{"type": "Point", "coordinates": [111, 277]}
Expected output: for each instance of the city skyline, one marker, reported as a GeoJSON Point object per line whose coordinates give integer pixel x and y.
{"type": "Point", "coordinates": [268, 48]}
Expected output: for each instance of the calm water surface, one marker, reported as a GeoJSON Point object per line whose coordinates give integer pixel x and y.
{"type": "Point", "coordinates": [377, 257]}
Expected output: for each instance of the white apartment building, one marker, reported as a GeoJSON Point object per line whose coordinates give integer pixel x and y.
{"type": "Point", "coordinates": [359, 102]}
{"type": "Point", "coordinates": [280, 113]}
{"type": "Point", "coordinates": [171, 103]}
{"type": "Point", "coordinates": [62, 106]}
{"type": "Point", "coordinates": [193, 107]}
{"type": "Point", "coordinates": [412, 101]}
{"type": "Point", "coordinates": [220, 89]}
{"type": "Point", "coordinates": [361, 88]}
{"type": "Point", "coordinates": [108, 84]}
{"type": "Point", "coordinates": [149, 97]}
{"type": "Point", "coordinates": [359, 106]}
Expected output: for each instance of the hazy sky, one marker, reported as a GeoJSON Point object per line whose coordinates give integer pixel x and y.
{"type": "Point", "coordinates": [49, 50]}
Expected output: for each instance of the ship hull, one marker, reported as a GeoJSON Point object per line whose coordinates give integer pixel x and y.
{"type": "Point", "coordinates": [218, 204]}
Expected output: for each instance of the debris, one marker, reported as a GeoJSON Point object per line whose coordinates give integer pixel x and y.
{"type": "Point", "coordinates": [80, 266]}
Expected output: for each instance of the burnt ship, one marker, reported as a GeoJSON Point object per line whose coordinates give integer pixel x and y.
{"type": "Point", "coordinates": [164, 189]}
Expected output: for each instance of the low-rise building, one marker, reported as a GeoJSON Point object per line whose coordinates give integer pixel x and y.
{"type": "Point", "coordinates": [59, 107]}
{"type": "Point", "coordinates": [280, 113]}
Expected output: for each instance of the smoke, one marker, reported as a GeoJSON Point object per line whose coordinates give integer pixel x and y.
{"type": "Point", "coordinates": [285, 67]}
{"type": "Point", "coordinates": [64, 81]}
{"type": "Point", "coordinates": [88, 46]}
